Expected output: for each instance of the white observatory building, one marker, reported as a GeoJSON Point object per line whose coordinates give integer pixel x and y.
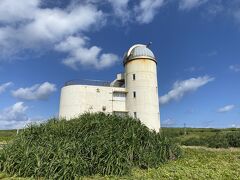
{"type": "Point", "coordinates": [134, 92]}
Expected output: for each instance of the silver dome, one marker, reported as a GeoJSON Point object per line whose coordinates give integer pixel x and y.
{"type": "Point", "coordinates": [138, 51]}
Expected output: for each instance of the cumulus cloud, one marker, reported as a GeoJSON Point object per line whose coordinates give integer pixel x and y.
{"type": "Point", "coordinates": [28, 25]}
{"type": "Point", "coordinates": [37, 26]}
{"type": "Point", "coordinates": [235, 68]}
{"type": "Point", "coordinates": [147, 9]}
{"type": "Point", "coordinates": [180, 88]}
{"type": "Point", "coordinates": [142, 11]}
{"type": "Point", "coordinates": [81, 54]}
{"type": "Point", "coordinates": [189, 4]}
{"type": "Point", "coordinates": [12, 11]}
{"type": "Point", "coordinates": [121, 9]}
{"type": "Point", "coordinates": [226, 108]}
{"type": "Point", "coordinates": [4, 86]}
{"type": "Point", "coordinates": [14, 116]}
{"type": "Point", "coordinates": [35, 92]}
{"type": "Point", "coordinates": [44, 25]}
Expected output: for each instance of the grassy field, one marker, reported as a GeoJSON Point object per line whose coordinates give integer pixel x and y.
{"type": "Point", "coordinates": [186, 133]}
{"type": "Point", "coordinates": [204, 136]}
{"type": "Point", "coordinates": [180, 134]}
{"type": "Point", "coordinates": [6, 135]}
{"type": "Point", "coordinates": [198, 163]}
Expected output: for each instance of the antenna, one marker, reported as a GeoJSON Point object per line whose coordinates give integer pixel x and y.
{"type": "Point", "coordinates": [185, 132]}
{"type": "Point", "coordinates": [149, 44]}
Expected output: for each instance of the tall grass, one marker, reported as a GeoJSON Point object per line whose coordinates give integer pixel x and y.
{"type": "Point", "coordinates": [91, 144]}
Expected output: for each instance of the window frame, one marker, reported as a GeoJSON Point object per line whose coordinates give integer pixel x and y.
{"type": "Point", "coordinates": [134, 77]}
{"type": "Point", "coordinates": [134, 94]}
{"type": "Point", "coordinates": [135, 115]}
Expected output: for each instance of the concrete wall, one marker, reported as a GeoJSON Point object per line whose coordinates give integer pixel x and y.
{"type": "Point", "coordinates": [146, 104]}
{"type": "Point", "coordinates": [77, 99]}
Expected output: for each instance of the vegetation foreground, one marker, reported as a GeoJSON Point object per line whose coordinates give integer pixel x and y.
{"type": "Point", "coordinates": [89, 145]}
{"type": "Point", "coordinates": [197, 163]}
{"type": "Point", "coordinates": [208, 137]}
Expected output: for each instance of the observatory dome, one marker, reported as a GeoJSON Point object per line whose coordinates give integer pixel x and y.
{"type": "Point", "coordinates": [138, 51]}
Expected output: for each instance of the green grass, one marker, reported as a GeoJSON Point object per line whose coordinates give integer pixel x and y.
{"type": "Point", "coordinates": [88, 145]}
{"type": "Point", "coordinates": [184, 134]}
{"type": "Point", "coordinates": [197, 163]}
{"type": "Point", "coordinates": [7, 135]}
{"type": "Point", "coordinates": [178, 133]}
{"type": "Point", "coordinates": [209, 137]}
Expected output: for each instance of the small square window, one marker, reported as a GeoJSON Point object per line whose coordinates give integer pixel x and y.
{"type": "Point", "coordinates": [134, 94]}
{"type": "Point", "coordinates": [134, 77]}
{"type": "Point", "coordinates": [135, 114]}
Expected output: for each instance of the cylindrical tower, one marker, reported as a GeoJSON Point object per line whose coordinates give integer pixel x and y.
{"type": "Point", "coordinates": [142, 87]}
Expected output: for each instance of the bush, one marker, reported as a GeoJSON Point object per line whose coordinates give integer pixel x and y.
{"type": "Point", "coordinates": [218, 141]}
{"type": "Point", "coordinates": [88, 145]}
{"type": "Point", "coordinates": [233, 139]}
{"type": "Point", "coordinates": [194, 142]}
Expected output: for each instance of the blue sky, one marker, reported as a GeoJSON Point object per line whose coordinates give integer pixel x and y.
{"type": "Point", "coordinates": [45, 43]}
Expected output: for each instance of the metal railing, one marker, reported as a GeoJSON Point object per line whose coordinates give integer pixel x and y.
{"type": "Point", "coordinates": [87, 82]}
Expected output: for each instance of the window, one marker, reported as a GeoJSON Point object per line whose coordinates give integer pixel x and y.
{"type": "Point", "coordinates": [104, 108]}
{"type": "Point", "coordinates": [134, 77]}
{"type": "Point", "coordinates": [135, 114]}
{"type": "Point", "coordinates": [119, 96]}
{"type": "Point", "coordinates": [134, 94]}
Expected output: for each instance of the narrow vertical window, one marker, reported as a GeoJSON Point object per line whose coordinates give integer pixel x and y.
{"type": "Point", "coordinates": [135, 114]}
{"type": "Point", "coordinates": [134, 94]}
{"type": "Point", "coordinates": [134, 76]}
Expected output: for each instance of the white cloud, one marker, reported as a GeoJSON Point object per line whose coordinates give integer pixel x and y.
{"type": "Point", "coordinates": [14, 116]}
{"type": "Point", "coordinates": [235, 126]}
{"type": "Point", "coordinates": [81, 54]}
{"type": "Point", "coordinates": [180, 88]}
{"type": "Point", "coordinates": [46, 25]}
{"type": "Point", "coordinates": [53, 24]}
{"type": "Point", "coordinates": [235, 68]}
{"type": "Point", "coordinates": [4, 86]}
{"type": "Point", "coordinates": [12, 11]}
{"type": "Point", "coordinates": [147, 9]}
{"type": "Point", "coordinates": [189, 4]}
{"type": "Point", "coordinates": [36, 92]}
{"type": "Point", "coordinates": [38, 26]}
{"type": "Point", "coordinates": [141, 11]}
{"type": "Point", "coordinates": [121, 9]}
{"type": "Point", "coordinates": [226, 108]}
{"type": "Point", "coordinates": [27, 25]}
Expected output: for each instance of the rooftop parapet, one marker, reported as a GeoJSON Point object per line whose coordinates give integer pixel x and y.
{"type": "Point", "coordinates": [87, 82]}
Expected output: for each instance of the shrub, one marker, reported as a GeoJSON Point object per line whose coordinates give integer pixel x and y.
{"type": "Point", "coordinates": [88, 145]}
{"type": "Point", "coordinates": [233, 139]}
{"type": "Point", "coordinates": [218, 141]}
{"type": "Point", "coordinates": [194, 142]}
